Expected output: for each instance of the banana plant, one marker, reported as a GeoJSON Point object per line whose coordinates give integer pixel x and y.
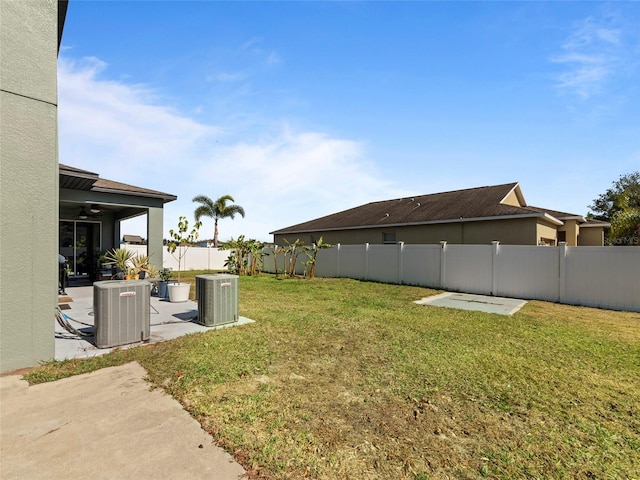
{"type": "Point", "coordinates": [293, 250]}
{"type": "Point", "coordinates": [312, 255]}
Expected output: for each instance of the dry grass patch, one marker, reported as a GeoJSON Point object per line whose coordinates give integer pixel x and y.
{"type": "Point", "coordinates": [341, 379]}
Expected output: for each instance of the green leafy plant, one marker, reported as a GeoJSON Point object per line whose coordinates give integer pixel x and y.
{"type": "Point", "coordinates": [293, 250]}
{"type": "Point", "coordinates": [164, 274]}
{"type": "Point", "coordinates": [119, 257]}
{"type": "Point", "coordinates": [256, 249]}
{"type": "Point", "coordinates": [182, 237]}
{"type": "Point", "coordinates": [245, 257]}
{"type": "Point", "coordinates": [141, 263]}
{"type": "Point", "coordinates": [277, 251]}
{"type": "Point", "coordinates": [312, 255]}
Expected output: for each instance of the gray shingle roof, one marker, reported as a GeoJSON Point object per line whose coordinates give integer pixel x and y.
{"type": "Point", "coordinates": [110, 186]}
{"type": "Point", "coordinates": [78, 179]}
{"type": "Point", "coordinates": [479, 203]}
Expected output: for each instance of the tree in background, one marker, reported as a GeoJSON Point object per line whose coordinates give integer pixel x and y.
{"type": "Point", "coordinates": [620, 206]}
{"type": "Point", "coordinates": [216, 210]}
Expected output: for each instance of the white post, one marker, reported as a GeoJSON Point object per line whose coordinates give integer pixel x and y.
{"type": "Point", "coordinates": [494, 267]}
{"type": "Point", "coordinates": [400, 263]}
{"type": "Point", "coordinates": [562, 249]}
{"type": "Point", "coordinates": [338, 261]}
{"type": "Point", "coordinates": [443, 270]}
{"type": "Point", "coordinates": [366, 261]}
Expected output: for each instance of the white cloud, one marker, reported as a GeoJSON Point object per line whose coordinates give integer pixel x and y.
{"type": "Point", "coordinates": [590, 56]}
{"type": "Point", "coordinates": [273, 59]}
{"type": "Point", "coordinates": [119, 128]}
{"type": "Point", "coordinates": [270, 57]}
{"type": "Point", "coordinates": [226, 77]}
{"type": "Point", "coordinates": [127, 133]}
{"type": "Point", "coordinates": [293, 177]}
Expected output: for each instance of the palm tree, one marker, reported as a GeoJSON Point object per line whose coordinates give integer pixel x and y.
{"type": "Point", "coordinates": [216, 210]}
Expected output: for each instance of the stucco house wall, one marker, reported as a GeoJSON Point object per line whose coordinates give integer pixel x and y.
{"type": "Point", "coordinates": [28, 164]}
{"type": "Point", "coordinates": [571, 229]}
{"type": "Point", "coordinates": [546, 233]}
{"type": "Point", "coordinates": [591, 237]}
{"type": "Point", "coordinates": [518, 231]}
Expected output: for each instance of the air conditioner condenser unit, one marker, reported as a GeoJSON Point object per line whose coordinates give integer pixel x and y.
{"type": "Point", "coordinates": [121, 312]}
{"type": "Point", "coordinates": [217, 297]}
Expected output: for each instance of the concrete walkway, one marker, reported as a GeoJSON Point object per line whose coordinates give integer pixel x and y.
{"type": "Point", "coordinates": [103, 425]}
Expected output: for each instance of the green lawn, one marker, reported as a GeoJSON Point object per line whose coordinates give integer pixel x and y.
{"type": "Point", "coordinates": [341, 379]}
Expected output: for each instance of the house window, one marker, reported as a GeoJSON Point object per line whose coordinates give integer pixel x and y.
{"type": "Point", "coordinates": [562, 236]}
{"type": "Point", "coordinates": [389, 238]}
{"type": "Point", "coordinates": [547, 242]}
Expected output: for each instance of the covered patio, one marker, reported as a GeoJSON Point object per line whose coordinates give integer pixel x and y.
{"type": "Point", "coordinates": [168, 321]}
{"type": "Point", "coordinates": [91, 210]}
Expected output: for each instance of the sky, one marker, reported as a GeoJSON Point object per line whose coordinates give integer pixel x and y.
{"type": "Point", "coordinates": [301, 109]}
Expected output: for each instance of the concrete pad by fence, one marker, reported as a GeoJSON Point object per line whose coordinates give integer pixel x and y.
{"type": "Point", "coordinates": [103, 425]}
{"type": "Point", "coordinates": [481, 303]}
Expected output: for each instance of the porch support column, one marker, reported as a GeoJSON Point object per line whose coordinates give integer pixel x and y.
{"type": "Point", "coordinates": [154, 235]}
{"type": "Point", "coordinates": [117, 237]}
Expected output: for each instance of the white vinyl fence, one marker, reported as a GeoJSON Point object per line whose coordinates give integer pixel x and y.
{"type": "Point", "coordinates": [605, 277]}
{"type": "Point", "coordinates": [196, 258]}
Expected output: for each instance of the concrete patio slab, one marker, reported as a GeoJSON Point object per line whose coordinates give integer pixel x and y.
{"type": "Point", "coordinates": [103, 425]}
{"type": "Point", "coordinates": [468, 301]}
{"type": "Point", "coordinates": [168, 320]}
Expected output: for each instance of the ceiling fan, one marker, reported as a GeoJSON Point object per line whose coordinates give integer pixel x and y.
{"type": "Point", "coordinates": [94, 211]}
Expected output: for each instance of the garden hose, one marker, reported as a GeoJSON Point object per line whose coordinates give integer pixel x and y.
{"type": "Point", "coordinates": [63, 321]}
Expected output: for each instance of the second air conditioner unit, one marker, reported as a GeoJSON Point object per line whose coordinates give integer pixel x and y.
{"type": "Point", "coordinates": [217, 299]}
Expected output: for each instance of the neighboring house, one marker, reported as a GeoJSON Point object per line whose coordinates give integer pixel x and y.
{"type": "Point", "coordinates": [91, 211]}
{"type": "Point", "coordinates": [471, 216]}
{"type": "Point", "coordinates": [133, 240]}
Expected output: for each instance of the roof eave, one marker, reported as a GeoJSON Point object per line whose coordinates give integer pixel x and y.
{"type": "Point", "coordinates": [579, 218]}
{"type": "Point", "coordinates": [596, 225]}
{"type": "Point", "coordinates": [166, 198]}
{"type": "Point", "coordinates": [62, 15]}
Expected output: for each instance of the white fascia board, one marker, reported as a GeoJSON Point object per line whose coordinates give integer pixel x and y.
{"type": "Point", "coordinates": [596, 225]}
{"type": "Point", "coordinates": [572, 217]}
{"type": "Point", "coordinates": [518, 191]}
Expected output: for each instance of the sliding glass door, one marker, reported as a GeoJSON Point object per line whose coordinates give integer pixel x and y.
{"type": "Point", "coordinates": [80, 244]}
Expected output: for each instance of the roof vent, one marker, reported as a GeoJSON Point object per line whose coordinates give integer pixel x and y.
{"type": "Point", "coordinates": [418, 204]}
{"type": "Point", "coordinates": [386, 214]}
